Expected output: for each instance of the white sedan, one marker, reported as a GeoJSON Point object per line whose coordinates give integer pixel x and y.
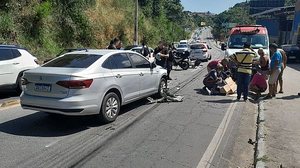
{"type": "Point", "coordinates": [200, 51]}
{"type": "Point", "coordinates": [91, 82]}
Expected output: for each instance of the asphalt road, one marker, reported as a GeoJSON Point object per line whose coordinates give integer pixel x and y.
{"type": "Point", "coordinates": [165, 135]}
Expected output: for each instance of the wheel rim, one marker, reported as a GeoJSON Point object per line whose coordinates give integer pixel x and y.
{"type": "Point", "coordinates": [163, 85]}
{"type": "Point", "coordinates": [111, 107]}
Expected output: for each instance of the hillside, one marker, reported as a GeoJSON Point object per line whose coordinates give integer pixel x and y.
{"type": "Point", "coordinates": [47, 26]}
{"type": "Point", "coordinates": [237, 14]}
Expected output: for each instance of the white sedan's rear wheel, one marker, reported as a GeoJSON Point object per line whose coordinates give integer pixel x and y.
{"type": "Point", "coordinates": [110, 107]}
{"type": "Point", "coordinates": [162, 85]}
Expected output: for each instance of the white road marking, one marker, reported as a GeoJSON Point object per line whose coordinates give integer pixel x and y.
{"type": "Point", "coordinates": [52, 143]}
{"type": "Point", "coordinates": [211, 150]}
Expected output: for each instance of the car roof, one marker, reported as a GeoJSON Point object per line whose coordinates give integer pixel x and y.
{"type": "Point", "coordinates": [99, 51]}
{"type": "Point", "coordinates": [12, 46]}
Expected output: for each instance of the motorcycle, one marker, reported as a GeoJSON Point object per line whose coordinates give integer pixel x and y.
{"type": "Point", "coordinates": [181, 60]}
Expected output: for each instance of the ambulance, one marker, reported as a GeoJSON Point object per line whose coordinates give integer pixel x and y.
{"type": "Point", "coordinates": [256, 35]}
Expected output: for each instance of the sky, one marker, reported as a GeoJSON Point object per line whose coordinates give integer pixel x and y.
{"type": "Point", "coordinates": [214, 6]}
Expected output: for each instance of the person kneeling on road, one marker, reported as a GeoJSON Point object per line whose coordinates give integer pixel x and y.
{"type": "Point", "coordinates": [258, 84]}
{"type": "Point", "coordinates": [213, 81]}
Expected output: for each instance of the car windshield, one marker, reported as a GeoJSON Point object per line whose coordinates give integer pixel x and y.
{"type": "Point", "coordinates": [182, 46]}
{"type": "Point", "coordinates": [256, 41]}
{"type": "Point", "coordinates": [197, 46]}
{"type": "Point", "coordinates": [73, 61]}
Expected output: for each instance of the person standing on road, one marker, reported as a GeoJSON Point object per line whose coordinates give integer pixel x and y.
{"type": "Point", "coordinates": [115, 44]}
{"type": "Point", "coordinates": [145, 50]}
{"type": "Point", "coordinates": [160, 54]}
{"type": "Point", "coordinates": [244, 60]}
{"type": "Point", "coordinates": [169, 62]}
{"type": "Point", "coordinates": [264, 63]}
{"type": "Point", "coordinates": [283, 66]}
{"type": "Point", "coordinates": [275, 68]}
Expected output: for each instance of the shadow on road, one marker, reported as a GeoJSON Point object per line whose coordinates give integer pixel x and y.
{"type": "Point", "coordinates": [41, 124]}
{"type": "Point", "coordinates": [291, 97]}
{"type": "Point", "coordinates": [8, 94]}
{"type": "Point", "coordinates": [223, 101]}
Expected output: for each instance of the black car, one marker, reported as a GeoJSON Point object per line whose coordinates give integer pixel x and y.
{"type": "Point", "coordinates": [292, 52]}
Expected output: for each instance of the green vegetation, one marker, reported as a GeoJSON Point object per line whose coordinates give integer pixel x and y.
{"type": "Point", "coordinates": [238, 14]}
{"type": "Point", "coordinates": [47, 26]}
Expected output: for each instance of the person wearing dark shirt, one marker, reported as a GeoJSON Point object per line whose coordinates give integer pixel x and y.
{"type": "Point", "coordinates": [115, 44]}
{"type": "Point", "coordinates": [169, 61]}
{"type": "Point", "coordinates": [160, 54]}
{"type": "Point", "coordinates": [213, 80]}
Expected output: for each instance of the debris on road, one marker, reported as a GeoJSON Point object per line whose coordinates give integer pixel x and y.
{"type": "Point", "coordinates": [166, 97]}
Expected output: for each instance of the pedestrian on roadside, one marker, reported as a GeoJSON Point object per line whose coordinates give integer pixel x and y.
{"type": "Point", "coordinates": [283, 66]}
{"type": "Point", "coordinates": [244, 60]}
{"type": "Point", "coordinates": [115, 44]}
{"type": "Point", "coordinates": [275, 68]}
{"type": "Point", "coordinates": [169, 62]}
{"type": "Point", "coordinates": [145, 50]}
{"type": "Point", "coordinates": [160, 54]}
{"type": "Point", "coordinates": [111, 45]}
{"type": "Point", "coordinates": [264, 63]}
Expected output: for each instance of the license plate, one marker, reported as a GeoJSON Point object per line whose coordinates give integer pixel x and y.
{"type": "Point", "coordinates": [292, 57]}
{"type": "Point", "coordinates": [42, 87]}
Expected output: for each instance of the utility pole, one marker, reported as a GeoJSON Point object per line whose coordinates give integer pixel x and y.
{"type": "Point", "coordinates": [136, 22]}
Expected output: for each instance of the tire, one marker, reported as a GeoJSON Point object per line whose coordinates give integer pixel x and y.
{"type": "Point", "coordinates": [19, 88]}
{"type": "Point", "coordinates": [162, 84]}
{"type": "Point", "coordinates": [110, 107]}
{"type": "Point", "coordinates": [184, 65]}
{"type": "Point", "coordinates": [197, 62]}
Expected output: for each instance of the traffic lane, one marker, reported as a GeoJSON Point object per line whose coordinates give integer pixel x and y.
{"type": "Point", "coordinates": [33, 131]}
{"type": "Point", "coordinates": [173, 135]}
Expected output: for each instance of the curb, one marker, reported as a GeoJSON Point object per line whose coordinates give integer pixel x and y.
{"type": "Point", "coordinates": [260, 138]}
{"type": "Point", "coordinates": [9, 103]}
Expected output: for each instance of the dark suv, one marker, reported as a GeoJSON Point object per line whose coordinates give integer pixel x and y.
{"type": "Point", "coordinates": [292, 52]}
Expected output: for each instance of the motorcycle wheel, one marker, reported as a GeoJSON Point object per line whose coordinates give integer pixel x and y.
{"type": "Point", "coordinates": [184, 65]}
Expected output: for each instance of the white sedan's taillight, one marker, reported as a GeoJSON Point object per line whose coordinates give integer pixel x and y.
{"type": "Point", "coordinates": [75, 84]}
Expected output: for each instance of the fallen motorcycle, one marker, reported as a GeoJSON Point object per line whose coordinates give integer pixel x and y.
{"type": "Point", "coordinates": [181, 60]}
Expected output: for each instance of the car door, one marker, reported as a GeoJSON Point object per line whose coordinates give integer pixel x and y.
{"type": "Point", "coordinates": [125, 76]}
{"type": "Point", "coordinates": [149, 78]}
{"type": "Point", "coordinates": [9, 66]}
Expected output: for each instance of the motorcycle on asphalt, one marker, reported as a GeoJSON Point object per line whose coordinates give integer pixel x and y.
{"type": "Point", "coordinates": [181, 60]}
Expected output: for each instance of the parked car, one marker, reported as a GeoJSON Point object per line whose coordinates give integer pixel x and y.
{"type": "Point", "coordinates": [139, 49]}
{"type": "Point", "coordinates": [183, 42]}
{"type": "Point", "coordinates": [292, 52]}
{"type": "Point", "coordinates": [200, 51]}
{"type": "Point", "coordinates": [91, 82]}
{"type": "Point", "coordinates": [183, 50]}
{"type": "Point", "coordinates": [14, 60]}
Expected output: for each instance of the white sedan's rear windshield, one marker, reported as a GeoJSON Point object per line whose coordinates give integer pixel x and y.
{"type": "Point", "coordinates": [74, 61]}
